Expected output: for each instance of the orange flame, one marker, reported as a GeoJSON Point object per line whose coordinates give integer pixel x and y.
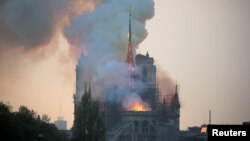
{"type": "Point", "coordinates": [139, 107]}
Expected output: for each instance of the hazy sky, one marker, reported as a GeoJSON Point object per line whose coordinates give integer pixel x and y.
{"type": "Point", "coordinates": [204, 45]}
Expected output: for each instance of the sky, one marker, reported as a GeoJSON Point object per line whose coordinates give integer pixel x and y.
{"type": "Point", "coordinates": [203, 45]}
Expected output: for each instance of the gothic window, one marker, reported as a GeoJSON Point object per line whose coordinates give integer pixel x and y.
{"type": "Point", "coordinates": [145, 126]}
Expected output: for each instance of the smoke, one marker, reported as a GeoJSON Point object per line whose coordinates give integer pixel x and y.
{"type": "Point", "coordinates": [114, 78]}
{"type": "Point", "coordinates": [33, 24]}
{"type": "Point", "coordinates": [103, 32]}
{"type": "Point", "coordinates": [102, 37]}
{"type": "Point", "coordinates": [166, 83]}
{"type": "Point", "coordinates": [30, 23]}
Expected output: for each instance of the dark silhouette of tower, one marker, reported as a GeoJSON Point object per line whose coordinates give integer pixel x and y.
{"type": "Point", "coordinates": [130, 57]}
{"type": "Point", "coordinates": [176, 108]}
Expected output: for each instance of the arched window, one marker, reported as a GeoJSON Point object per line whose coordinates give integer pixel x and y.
{"type": "Point", "coordinates": [145, 126]}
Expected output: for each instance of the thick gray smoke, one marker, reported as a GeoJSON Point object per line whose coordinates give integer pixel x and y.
{"type": "Point", "coordinates": [34, 23]}
{"type": "Point", "coordinates": [102, 37]}
{"type": "Point", "coordinates": [31, 23]}
{"type": "Point", "coordinates": [166, 83]}
{"type": "Point", "coordinates": [103, 32]}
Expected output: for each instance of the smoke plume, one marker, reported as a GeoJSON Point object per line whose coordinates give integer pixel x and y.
{"type": "Point", "coordinates": [166, 83]}
{"type": "Point", "coordinates": [32, 24]}
{"type": "Point", "coordinates": [102, 37]}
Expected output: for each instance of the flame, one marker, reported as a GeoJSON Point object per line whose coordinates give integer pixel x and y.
{"type": "Point", "coordinates": [139, 107]}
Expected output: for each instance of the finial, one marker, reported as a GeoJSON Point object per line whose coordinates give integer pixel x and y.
{"type": "Point", "coordinates": [147, 54]}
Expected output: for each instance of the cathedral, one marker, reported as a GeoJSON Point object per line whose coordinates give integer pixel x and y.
{"type": "Point", "coordinates": [159, 123]}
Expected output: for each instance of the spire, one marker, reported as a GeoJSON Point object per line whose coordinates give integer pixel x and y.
{"type": "Point", "coordinates": [176, 101]}
{"type": "Point", "coordinates": [130, 57]}
{"type": "Point", "coordinates": [89, 90]}
{"type": "Point", "coordinates": [176, 89]}
{"type": "Point", "coordinates": [147, 54]}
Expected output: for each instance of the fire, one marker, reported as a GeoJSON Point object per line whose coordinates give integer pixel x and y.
{"type": "Point", "coordinates": [139, 107]}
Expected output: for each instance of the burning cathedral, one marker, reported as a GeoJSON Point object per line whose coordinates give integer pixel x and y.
{"type": "Point", "coordinates": [151, 118]}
